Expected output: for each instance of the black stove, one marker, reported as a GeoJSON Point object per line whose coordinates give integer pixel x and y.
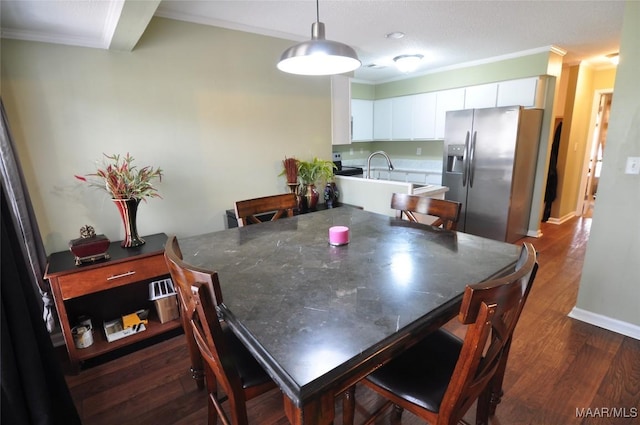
{"type": "Point", "coordinates": [343, 170]}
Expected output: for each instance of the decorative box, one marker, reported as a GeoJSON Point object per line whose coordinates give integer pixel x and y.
{"type": "Point", "coordinates": [89, 247]}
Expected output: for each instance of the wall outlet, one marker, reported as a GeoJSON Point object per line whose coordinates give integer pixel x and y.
{"type": "Point", "coordinates": [419, 151]}
{"type": "Point", "coordinates": [337, 156]}
{"type": "Point", "coordinates": [633, 165]}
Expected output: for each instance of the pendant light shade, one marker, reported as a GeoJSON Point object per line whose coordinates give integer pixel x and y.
{"type": "Point", "coordinates": [319, 56]}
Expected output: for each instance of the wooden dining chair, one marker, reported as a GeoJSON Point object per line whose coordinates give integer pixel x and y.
{"type": "Point", "coordinates": [229, 365]}
{"type": "Point", "coordinates": [440, 377]}
{"type": "Point", "coordinates": [447, 212]}
{"type": "Point", "coordinates": [280, 205]}
{"type": "Point", "coordinates": [173, 258]}
{"type": "Point", "coordinates": [227, 362]}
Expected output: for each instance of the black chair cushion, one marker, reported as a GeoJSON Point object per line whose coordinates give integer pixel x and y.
{"type": "Point", "coordinates": [250, 371]}
{"type": "Point", "coordinates": [421, 374]}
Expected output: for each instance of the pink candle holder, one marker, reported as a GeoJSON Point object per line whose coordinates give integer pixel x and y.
{"type": "Point", "coordinates": [338, 235]}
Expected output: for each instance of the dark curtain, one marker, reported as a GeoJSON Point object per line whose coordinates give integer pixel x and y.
{"type": "Point", "coordinates": [24, 219]}
{"type": "Point", "coordinates": [33, 387]}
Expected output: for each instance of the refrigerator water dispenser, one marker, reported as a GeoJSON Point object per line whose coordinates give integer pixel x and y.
{"type": "Point", "coordinates": [455, 154]}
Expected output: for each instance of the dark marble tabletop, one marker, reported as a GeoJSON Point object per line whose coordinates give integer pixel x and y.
{"type": "Point", "coordinates": [311, 311]}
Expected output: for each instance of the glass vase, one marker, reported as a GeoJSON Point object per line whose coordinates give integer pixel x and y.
{"type": "Point", "coordinates": [128, 209]}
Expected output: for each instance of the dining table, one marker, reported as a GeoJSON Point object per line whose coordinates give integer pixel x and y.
{"type": "Point", "coordinates": [320, 317]}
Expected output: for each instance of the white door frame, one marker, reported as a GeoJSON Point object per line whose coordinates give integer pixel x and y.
{"type": "Point", "coordinates": [589, 145]}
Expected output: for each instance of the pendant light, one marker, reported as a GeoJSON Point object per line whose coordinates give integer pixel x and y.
{"type": "Point", "coordinates": [318, 56]}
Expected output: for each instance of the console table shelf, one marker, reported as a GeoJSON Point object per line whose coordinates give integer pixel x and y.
{"type": "Point", "coordinates": [107, 289]}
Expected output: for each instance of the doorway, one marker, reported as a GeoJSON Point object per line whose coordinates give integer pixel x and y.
{"type": "Point", "coordinates": [594, 152]}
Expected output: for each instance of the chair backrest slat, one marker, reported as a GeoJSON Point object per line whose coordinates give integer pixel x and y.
{"type": "Point", "coordinates": [281, 205]}
{"type": "Point", "coordinates": [447, 212]}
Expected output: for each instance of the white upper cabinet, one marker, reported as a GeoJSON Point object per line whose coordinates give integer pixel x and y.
{"type": "Point", "coordinates": [447, 100]}
{"type": "Point", "coordinates": [405, 117]}
{"type": "Point", "coordinates": [401, 116]}
{"type": "Point", "coordinates": [424, 116]}
{"type": "Point", "coordinates": [518, 92]}
{"type": "Point", "coordinates": [362, 120]}
{"type": "Point", "coordinates": [340, 110]}
{"type": "Point", "coordinates": [382, 119]}
{"type": "Point", "coordinates": [483, 96]}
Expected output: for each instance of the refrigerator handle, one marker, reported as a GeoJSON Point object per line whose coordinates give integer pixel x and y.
{"type": "Point", "coordinates": [472, 155]}
{"type": "Point", "coordinates": [465, 158]}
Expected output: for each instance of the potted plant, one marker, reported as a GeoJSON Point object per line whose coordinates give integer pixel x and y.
{"type": "Point", "coordinates": [127, 185]}
{"type": "Point", "coordinates": [290, 170]}
{"type": "Point", "coordinates": [310, 173]}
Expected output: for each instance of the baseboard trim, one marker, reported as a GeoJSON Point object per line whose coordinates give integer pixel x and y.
{"type": "Point", "coordinates": [534, 233]}
{"type": "Point", "coordinates": [605, 322]}
{"type": "Point", "coordinates": [561, 219]}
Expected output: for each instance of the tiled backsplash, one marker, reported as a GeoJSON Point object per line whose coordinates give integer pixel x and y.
{"type": "Point", "coordinates": [425, 171]}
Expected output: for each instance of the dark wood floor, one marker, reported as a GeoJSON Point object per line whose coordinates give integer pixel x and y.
{"type": "Point", "coordinates": [557, 368]}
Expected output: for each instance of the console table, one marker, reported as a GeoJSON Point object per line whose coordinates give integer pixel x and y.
{"type": "Point", "coordinates": [106, 290]}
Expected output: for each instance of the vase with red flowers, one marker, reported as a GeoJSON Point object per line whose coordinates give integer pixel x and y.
{"type": "Point", "coordinates": [127, 185]}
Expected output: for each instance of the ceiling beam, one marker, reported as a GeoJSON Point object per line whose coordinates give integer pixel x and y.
{"type": "Point", "coordinates": [134, 19]}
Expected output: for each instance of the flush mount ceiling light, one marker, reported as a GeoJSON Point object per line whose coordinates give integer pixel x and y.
{"type": "Point", "coordinates": [318, 56]}
{"type": "Point", "coordinates": [614, 58]}
{"type": "Point", "coordinates": [407, 63]}
{"type": "Point", "coordinates": [396, 35]}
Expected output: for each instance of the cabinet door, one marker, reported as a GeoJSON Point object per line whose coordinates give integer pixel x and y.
{"type": "Point", "coordinates": [483, 96]}
{"type": "Point", "coordinates": [518, 92]}
{"type": "Point", "coordinates": [424, 116]}
{"type": "Point", "coordinates": [382, 119]}
{"type": "Point", "coordinates": [447, 100]}
{"type": "Point", "coordinates": [362, 120]}
{"type": "Point", "coordinates": [340, 110]}
{"type": "Point", "coordinates": [401, 116]}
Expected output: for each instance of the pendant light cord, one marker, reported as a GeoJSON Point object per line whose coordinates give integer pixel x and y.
{"type": "Point", "coordinates": [317, 10]}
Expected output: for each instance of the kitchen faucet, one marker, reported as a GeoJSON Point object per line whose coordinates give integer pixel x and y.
{"type": "Point", "coordinates": [383, 153]}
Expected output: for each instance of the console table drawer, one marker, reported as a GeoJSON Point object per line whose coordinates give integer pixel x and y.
{"type": "Point", "coordinates": [98, 279]}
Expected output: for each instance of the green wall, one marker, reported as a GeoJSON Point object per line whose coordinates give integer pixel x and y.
{"type": "Point", "coordinates": [609, 288]}
{"type": "Point", "coordinates": [206, 104]}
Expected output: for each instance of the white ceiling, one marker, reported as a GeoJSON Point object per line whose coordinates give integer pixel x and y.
{"type": "Point", "coordinates": [447, 33]}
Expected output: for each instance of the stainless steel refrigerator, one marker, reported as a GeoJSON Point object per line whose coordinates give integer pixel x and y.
{"type": "Point", "coordinates": [489, 166]}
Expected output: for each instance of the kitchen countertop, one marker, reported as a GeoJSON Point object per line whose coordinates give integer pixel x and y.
{"type": "Point", "coordinates": [375, 195]}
